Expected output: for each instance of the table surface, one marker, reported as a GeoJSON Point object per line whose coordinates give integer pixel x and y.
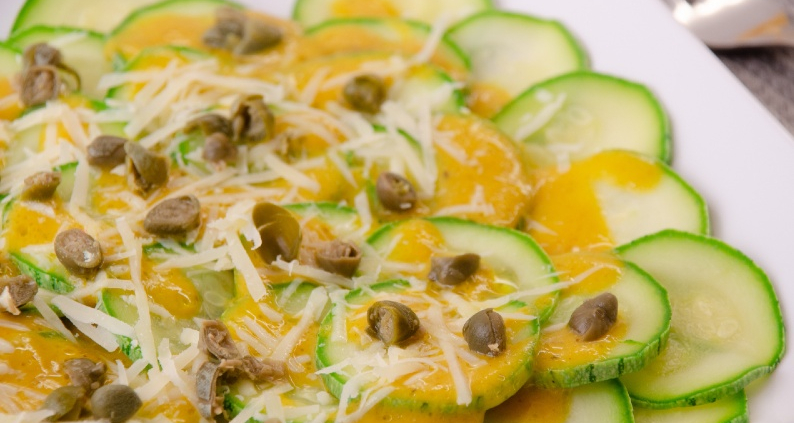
{"type": "Point", "coordinates": [769, 74]}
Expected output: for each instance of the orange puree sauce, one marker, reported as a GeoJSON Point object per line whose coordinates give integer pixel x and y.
{"type": "Point", "coordinates": [532, 405]}
{"type": "Point", "coordinates": [12, 110]}
{"type": "Point", "coordinates": [364, 8]}
{"type": "Point", "coordinates": [566, 206]}
{"type": "Point", "coordinates": [486, 99]}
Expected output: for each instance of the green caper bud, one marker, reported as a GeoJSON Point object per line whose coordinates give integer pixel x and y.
{"type": "Point", "coordinates": [252, 120]}
{"type": "Point", "coordinates": [79, 252]}
{"type": "Point", "coordinates": [210, 124]}
{"type": "Point", "coordinates": [593, 319]}
{"type": "Point", "coordinates": [40, 84]}
{"type": "Point", "coordinates": [106, 151]}
{"type": "Point", "coordinates": [117, 403]}
{"type": "Point", "coordinates": [485, 333]}
{"type": "Point", "coordinates": [146, 170]}
{"type": "Point", "coordinates": [365, 93]}
{"type": "Point", "coordinates": [216, 340]}
{"type": "Point", "coordinates": [66, 402]}
{"type": "Point", "coordinates": [43, 54]}
{"type": "Point", "coordinates": [257, 36]}
{"type": "Point", "coordinates": [263, 370]}
{"type": "Point", "coordinates": [218, 148]}
{"type": "Point", "coordinates": [41, 185]}
{"type": "Point", "coordinates": [338, 257]}
{"type": "Point", "coordinates": [22, 290]}
{"type": "Point", "coordinates": [453, 270]}
{"type": "Point", "coordinates": [210, 404]}
{"type": "Point", "coordinates": [392, 322]}
{"type": "Point", "coordinates": [85, 373]}
{"type": "Point", "coordinates": [279, 230]}
{"type": "Point", "coordinates": [395, 192]}
{"type": "Point", "coordinates": [174, 216]}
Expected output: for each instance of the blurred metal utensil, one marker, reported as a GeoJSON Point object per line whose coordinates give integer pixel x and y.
{"type": "Point", "coordinates": [726, 24]}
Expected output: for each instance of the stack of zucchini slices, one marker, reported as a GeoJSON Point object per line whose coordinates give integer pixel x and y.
{"type": "Point", "coordinates": [379, 210]}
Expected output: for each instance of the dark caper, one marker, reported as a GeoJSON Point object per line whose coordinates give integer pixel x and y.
{"type": "Point", "coordinates": [338, 257]}
{"type": "Point", "coordinates": [395, 192]}
{"type": "Point", "coordinates": [228, 29]}
{"type": "Point", "coordinates": [263, 370]}
{"type": "Point", "coordinates": [210, 124]}
{"type": "Point", "coordinates": [365, 93]}
{"type": "Point", "coordinates": [22, 289]}
{"type": "Point", "coordinates": [146, 170]}
{"type": "Point", "coordinates": [257, 36]}
{"type": "Point", "coordinates": [40, 84]}
{"type": "Point", "coordinates": [279, 230]}
{"type": "Point", "coordinates": [174, 216]}
{"type": "Point", "coordinates": [392, 322]}
{"type": "Point", "coordinates": [485, 333]}
{"type": "Point", "coordinates": [66, 402]}
{"type": "Point", "coordinates": [216, 340]}
{"type": "Point", "coordinates": [85, 373]}
{"type": "Point", "coordinates": [218, 148]}
{"type": "Point", "coordinates": [252, 120]}
{"type": "Point", "coordinates": [210, 404]}
{"type": "Point", "coordinates": [79, 253]}
{"type": "Point", "coordinates": [42, 54]}
{"type": "Point", "coordinates": [453, 270]}
{"type": "Point", "coordinates": [106, 151]}
{"type": "Point", "coordinates": [595, 317]}
{"type": "Point", "coordinates": [117, 403]}
{"type": "Point", "coordinates": [41, 186]}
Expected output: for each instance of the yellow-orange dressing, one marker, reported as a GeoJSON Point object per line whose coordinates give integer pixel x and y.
{"type": "Point", "coordinates": [565, 207]}
{"type": "Point", "coordinates": [486, 99]}
{"type": "Point", "coordinates": [9, 110]}
{"type": "Point", "coordinates": [364, 8]}
{"type": "Point", "coordinates": [532, 405]}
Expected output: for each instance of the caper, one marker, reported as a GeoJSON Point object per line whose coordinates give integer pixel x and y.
{"type": "Point", "coordinates": [338, 257]}
{"type": "Point", "coordinates": [41, 54]}
{"type": "Point", "coordinates": [85, 373]}
{"type": "Point", "coordinates": [210, 404]}
{"type": "Point", "coordinates": [106, 151]}
{"type": "Point", "coordinates": [22, 289]}
{"type": "Point", "coordinates": [66, 402]}
{"type": "Point", "coordinates": [228, 29]}
{"type": "Point", "coordinates": [218, 148]}
{"type": "Point", "coordinates": [40, 84]}
{"type": "Point", "coordinates": [593, 319]}
{"type": "Point", "coordinates": [146, 170]}
{"type": "Point", "coordinates": [392, 322]}
{"type": "Point", "coordinates": [263, 370]}
{"type": "Point", "coordinates": [453, 270]}
{"type": "Point", "coordinates": [257, 36]}
{"type": "Point", "coordinates": [210, 124]}
{"type": "Point", "coordinates": [117, 403]}
{"type": "Point", "coordinates": [395, 192]}
{"type": "Point", "coordinates": [485, 333]}
{"type": "Point", "coordinates": [174, 216]}
{"type": "Point", "coordinates": [216, 340]}
{"type": "Point", "coordinates": [252, 120]}
{"type": "Point", "coordinates": [365, 93]}
{"type": "Point", "coordinates": [79, 253]}
{"type": "Point", "coordinates": [279, 230]}
{"type": "Point", "coordinates": [41, 185]}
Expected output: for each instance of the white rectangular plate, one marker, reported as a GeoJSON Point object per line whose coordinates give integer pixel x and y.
{"type": "Point", "coordinates": [725, 143]}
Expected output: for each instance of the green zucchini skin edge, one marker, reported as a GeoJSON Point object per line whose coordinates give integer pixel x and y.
{"type": "Point", "coordinates": [714, 393]}
{"type": "Point", "coordinates": [17, 40]}
{"type": "Point", "coordinates": [612, 368]}
{"type": "Point", "coordinates": [299, 6]}
{"type": "Point", "coordinates": [584, 61]}
{"type": "Point", "coordinates": [143, 11]}
{"type": "Point", "coordinates": [445, 40]}
{"type": "Point", "coordinates": [665, 153]}
{"type": "Point", "coordinates": [705, 219]}
{"type": "Point", "coordinates": [44, 280]}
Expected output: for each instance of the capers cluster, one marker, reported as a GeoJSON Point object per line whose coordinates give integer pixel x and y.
{"type": "Point", "coordinates": [40, 79]}
{"type": "Point", "coordinates": [21, 289]}
{"type": "Point", "coordinates": [238, 34]}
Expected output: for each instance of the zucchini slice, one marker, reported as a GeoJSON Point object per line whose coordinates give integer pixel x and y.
{"type": "Point", "coordinates": [351, 362]}
{"type": "Point", "coordinates": [10, 65]}
{"type": "Point", "coordinates": [82, 50]}
{"type": "Point", "coordinates": [597, 402]}
{"type": "Point", "coordinates": [312, 12]}
{"type": "Point", "coordinates": [382, 34]}
{"type": "Point", "coordinates": [727, 328]}
{"type": "Point", "coordinates": [732, 409]}
{"type": "Point", "coordinates": [510, 52]}
{"type": "Point", "coordinates": [582, 113]}
{"type": "Point", "coordinates": [610, 199]}
{"type": "Point", "coordinates": [91, 15]}
{"type": "Point", "coordinates": [564, 360]}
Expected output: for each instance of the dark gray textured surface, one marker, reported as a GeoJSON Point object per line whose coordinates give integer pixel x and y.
{"type": "Point", "coordinates": [769, 74]}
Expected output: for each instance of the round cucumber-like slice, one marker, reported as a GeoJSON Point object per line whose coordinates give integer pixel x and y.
{"type": "Point", "coordinates": [596, 402]}
{"type": "Point", "coordinates": [91, 15]}
{"type": "Point", "coordinates": [727, 328]}
{"type": "Point", "coordinates": [582, 113]}
{"type": "Point", "coordinates": [513, 51]}
{"type": "Point", "coordinates": [312, 12]}
{"type": "Point", "coordinates": [610, 199]}
{"type": "Point", "coordinates": [82, 50]}
{"type": "Point", "coordinates": [732, 409]}
{"type": "Point", "coordinates": [383, 34]}
{"type": "Point", "coordinates": [563, 360]}
{"type": "Point", "coordinates": [10, 60]}
{"type": "Point", "coordinates": [352, 362]}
